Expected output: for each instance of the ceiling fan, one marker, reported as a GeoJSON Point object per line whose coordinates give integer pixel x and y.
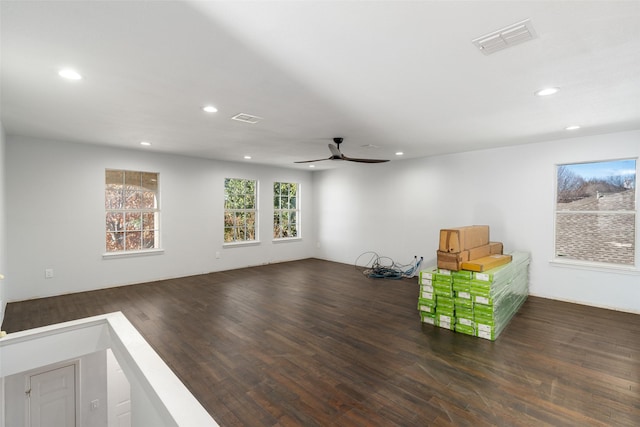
{"type": "Point", "coordinates": [337, 155]}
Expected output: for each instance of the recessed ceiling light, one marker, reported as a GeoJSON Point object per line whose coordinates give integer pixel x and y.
{"type": "Point", "coordinates": [247, 157]}
{"type": "Point", "coordinates": [547, 91]}
{"type": "Point", "coordinates": [312, 166]}
{"type": "Point", "coordinates": [210, 109]}
{"type": "Point", "coordinates": [69, 74]}
{"type": "Point", "coordinates": [574, 127]}
{"type": "Point", "coordinates": [399, 153]}
{"type": "Point", "coordinates": [145, 143]}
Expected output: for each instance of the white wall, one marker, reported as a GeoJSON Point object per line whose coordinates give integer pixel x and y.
{"type": "Point", "coordinates": [397, 209]}
{"type": "Point", "coordinates": [92, 386]}
{"type": "Point", "coordinates": [3, 240]}
{"type": "Point", "coordinates": [55, 217]}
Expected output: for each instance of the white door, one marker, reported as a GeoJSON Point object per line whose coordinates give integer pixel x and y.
{"type": "Point", "coordinates": [52, 398]}
{"type": "Point", "coordinates": [118, 394]}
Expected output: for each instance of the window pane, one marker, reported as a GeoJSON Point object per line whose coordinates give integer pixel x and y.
{"type": "Point", "coordinates": [113, 197]}
{"type": "Point", "coordinates": [134, 240]}
{"type": "Point", "coordinates": [132, 199]}
{"type": "Point", "coordinates": [597, 237]}
{"type": "Point", "coordinates": [250, 233]}
{"type": "Point", "coordinates": [133, 221]}
{"type": "Point", "coordinates": [277, 226]}
{"type": "Point", "coordinates": [148, 239]}
{"type": "Point", "coordinates": [114, 177]}
{"type": "Point", "coordinates": [148, 200]}
{"type": "Point", "coordinates": [133, 180]}
{"type": "Point", "coordinates": [148, 221]}
{"type": "Point", "coordinates": [115, 242]}
{"type": "Point", "coordinates": [597, 186]}
{"type": "Point", "coordinates": [150, 181]}
{"type": "Point", "coordinates": [114, 221]}
{"type": "Point", "coordinates": [238, 219]}
{"type": "Point", "coordinates": [250, 201]}
{"type": "Point", "coordinates": [228, 234]}
{"type": "Point", "coordinates": [228, 219]}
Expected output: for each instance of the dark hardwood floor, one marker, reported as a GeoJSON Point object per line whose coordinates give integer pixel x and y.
{"type": "Point", "coordinates": [315, 343]}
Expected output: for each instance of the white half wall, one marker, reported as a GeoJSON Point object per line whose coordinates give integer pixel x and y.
{"type": "Point", "coordinates": [396, 209]}
{"type": "Point", "coordinates": [55, 217]}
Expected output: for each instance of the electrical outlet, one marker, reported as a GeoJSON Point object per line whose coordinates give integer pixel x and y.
{"type": "Point", "coordinates": [48, 273]}
{"type": "Point", "coordinates": [217, 255]}
{"type": "Point", "coordinates": [95, 404]}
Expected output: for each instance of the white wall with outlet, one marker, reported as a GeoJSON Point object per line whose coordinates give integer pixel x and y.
{"type": "Point", "coordinates": [55, 209]}
{"type": "Point", "coordinates": [397, 209]}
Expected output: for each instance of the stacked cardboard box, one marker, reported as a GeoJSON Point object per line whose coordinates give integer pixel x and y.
{"type": "Point", "coordinates": [478, 303]}
{"type": "Point", "coordinates": [497, 294]}
{"type": "Point", "coordinates": [463, 302]}
{"type": "Point", "coordinates": [462, 245]}
{"type": "Point", "coordinates": [436, 300]}
{"type": "Point", "coordinates": [427, 298]}
{"type": "Point", "coordinates": [443, 288]}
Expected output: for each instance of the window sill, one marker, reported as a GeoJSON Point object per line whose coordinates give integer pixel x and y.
{"type": "Point", "coordinates": [583, 265]}
{"type": "Point", "coordinates": [131, 254]}
{"type": "Point", "coordinates": [240, 244]}
{"type": "Point", "coordinates": [287, 239]}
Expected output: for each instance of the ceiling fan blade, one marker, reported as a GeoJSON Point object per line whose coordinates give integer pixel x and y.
{"type": "Point", "coordinates": [335, 151]}
{"type": "Point", "coordinates": [352, 159]}
{"type": "Point", "coordinates": [310, 161]}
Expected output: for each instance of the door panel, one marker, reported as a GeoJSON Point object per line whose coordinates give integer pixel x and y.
{"type": "Point", "coordinates": [52, 399]}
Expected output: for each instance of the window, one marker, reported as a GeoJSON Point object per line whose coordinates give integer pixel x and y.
{"type": "Point", "coordinates": [240, 210]}
{"type": "Point", "coordinates": [596, 212]}
{"type": "Point", "coordinates": [132, 210]}
{"type": "Point", "coordinates": [286, 214]}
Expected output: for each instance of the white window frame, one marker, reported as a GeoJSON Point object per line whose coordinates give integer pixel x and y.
{"type": "Point", "coordinates": [295, 211]}
{"type": "Point", "coordinates": [254, 210]}
{"type": "Point", "coordinates": [156, 249]}
{"type": "Point", "coordinates": [558, 259]}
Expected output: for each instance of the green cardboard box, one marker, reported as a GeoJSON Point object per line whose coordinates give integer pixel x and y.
{"type": "Point", "coordinates": [444, 301]}
{"type": "Point", "coordinates": [464, 313]}
{"type": "Point", "coordinates": [463, 303]}
{"type": "Point", "coordinates": [426, 275]}
{"type": "Point", "coordinates": [443, 278]}
{"type": "Point", "coordinates": [465, 329]}
{"type": "Point", "coordinates": [427, 295]}
{"type": "Point", "coordinates": [429, 318]}
{"type": "Point", "coordinates": [462, 275]}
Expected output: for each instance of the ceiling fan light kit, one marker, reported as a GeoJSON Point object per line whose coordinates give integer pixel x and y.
{"type": "Point", "coordinates": [336, 154]}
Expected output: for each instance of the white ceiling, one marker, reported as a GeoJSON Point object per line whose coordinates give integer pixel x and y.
{"type": "Point", "coordinates": [401, 76]}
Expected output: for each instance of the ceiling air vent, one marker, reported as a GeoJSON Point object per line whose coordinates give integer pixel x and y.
{"type": "Point", "coordinates": [505, 37]}
{"type": "Point", "coordinates": [247, 118]}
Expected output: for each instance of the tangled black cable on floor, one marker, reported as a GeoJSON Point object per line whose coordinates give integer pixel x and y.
{"type": "Point", "coordinates": [382, 267]}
